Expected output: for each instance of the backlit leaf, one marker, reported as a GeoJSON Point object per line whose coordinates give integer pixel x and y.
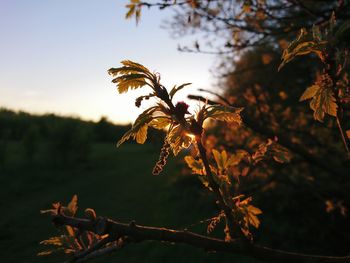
{"type": "Point", "coordinates": [131, 81]}
{"type": "Point", "coordinates": [303, 45]}
{"type": "Point", "coordinates": [139, 129]}
{"type": "Point", "coordinates": [179, 139]}
{"type": "Point", "coordinates": [73, 205]}
{"type": "Point", "coordinates": [131, 76]}
{"type": "Point", "coordinates": [309, 93]}
{"type": "Point", "coordinates": [323, 102]}
{"type": "Point", "coordinates": [220, 159]}
{"type": "Point", "coordinates": [161, 122]}
{"type": "Point", "coordinates": [237, 157]}
{"type": "Point", "coordinates": [196, 166]}
{"type": "Point", "coordinates": [175, 89]}
{"type": "Point", "coordinates": [223, 113]}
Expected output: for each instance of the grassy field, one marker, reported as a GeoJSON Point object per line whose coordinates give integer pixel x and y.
{"type": "Point", "coordinates": [115, 182]}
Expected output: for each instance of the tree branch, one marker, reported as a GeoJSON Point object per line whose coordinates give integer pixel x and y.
{"type": "Point", "coordinates": [138, 233]}
{"type": "Point", "coordinates": [230, 222]}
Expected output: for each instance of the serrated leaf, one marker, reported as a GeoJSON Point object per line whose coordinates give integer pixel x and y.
{"type": "Point", "coordinates": [303, 45]}
{"type": "Point", "coordinates": [132, 64]}
{"type": "Point", "coordinates": [223, 113]}
{"type": "Point", "coordinates": [323, 102]}
{"type": "Point", "coordinates": [237, 157]}
{"type": "Point", "coordinates": [220, 159]}
{"type": "Point", "coordinates": [179, 139]}
{"type": "Point", "coordinates": [175, 89]}
{"type": "Point", "coordinates": [310, 92]}
{"type": "Point", "coordinates": [139, 129]}
{"type": "Point", "coordinates": [196, 166]}
{"type": "Point", "coordinates": [214, 222]}
{"type": "Point", "coordinates": [130, 81]}
{"type": "Point", "coordinates": [131, 76]}
{"type": "Point", "coordinates": [160, 123]}
{"type": "Point", "coordinates": [141, 135]}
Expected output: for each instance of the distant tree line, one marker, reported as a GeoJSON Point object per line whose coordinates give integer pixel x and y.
{"type": "Point", "coordinates": [51, 139]}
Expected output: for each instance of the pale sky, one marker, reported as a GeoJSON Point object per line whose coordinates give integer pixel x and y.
{"type": "Point", "coordinates": [54, 57]}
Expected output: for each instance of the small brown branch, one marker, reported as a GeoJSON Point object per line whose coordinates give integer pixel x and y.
{"type": "Point", "coordinates": [230, 222]}
{"type": "Point", "coordinates": [138, 233]}
{"type": "Point", "coordinates": [98, 253]}
{"type": "Point", "coordinates": [342, 135]}
{"type": "Point", "coordinates": [82, 255]}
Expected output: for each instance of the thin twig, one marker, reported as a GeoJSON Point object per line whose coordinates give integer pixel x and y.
{"type": "Point", "coordinates": [139, 233]}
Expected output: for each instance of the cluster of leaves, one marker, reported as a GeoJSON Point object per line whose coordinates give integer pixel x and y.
{"type": "Point", "coordinates": [224, 171]}
{"type": "Point", "coordinates": [329, 85]}
{"type": "Point", "coordinates": [71, 240]}
{"type": "Point", "coordinates": [184, 129]}
{"type": "Point", "coordinates": [181, 126]}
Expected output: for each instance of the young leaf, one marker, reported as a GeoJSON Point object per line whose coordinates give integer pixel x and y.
{"type": "Point", "coordinates": [160, 122]}
{"type": "Point", "coordinates": [214, 222]}
{"type": "Point", "coordinates": [134, 10]}
{"type": "Point", "coordinates": [196, 166]}
{"type": "Point", "coordinates": [175, 89]}
{"type": "Point", "coordinates": [139, 129]}
{"type": "Point", "coordinates": [303, 45]}
{"type": "Point", "coordinates": [237, 157]}
{"type": "Point", "coordinates": [252, 216]}
{"type": "Point", "coordinates": [179, 139]}
{"type": "Point", "coordinates": [223, 113]}
{"type": "Point", "coordinates": [130, 81]}
{"type": "Point", "coordinates": [323, 102]}
{"type": "Point", "coordinates": [310, 92]}
{"type": "Point", "coordinates": [131, 76]}
{"type": "Point", "coordinates": [220, 159]}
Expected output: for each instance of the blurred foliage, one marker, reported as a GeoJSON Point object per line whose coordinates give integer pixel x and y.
{"type": "Point", "coordinates": [55, 140]}
{"type": "Point", "coordinates": [309, 196]}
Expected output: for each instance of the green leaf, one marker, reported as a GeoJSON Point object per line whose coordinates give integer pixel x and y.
{"type": "Point", "coordinates": [310, 92]}
{"type": "Point", "coordinates": [175, 89]}
{"type": "Point", "coordinates": [223, 113]}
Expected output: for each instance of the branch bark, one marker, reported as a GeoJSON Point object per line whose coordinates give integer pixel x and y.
{"type": "Point", "coordinates": [138, 233]}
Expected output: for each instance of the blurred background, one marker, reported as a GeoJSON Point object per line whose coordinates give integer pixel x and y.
{"type": "Point", "coordinates": [60, 119]}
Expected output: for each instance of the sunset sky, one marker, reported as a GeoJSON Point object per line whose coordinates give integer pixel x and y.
{"type": "Point", "coordinates": [54, 56]}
